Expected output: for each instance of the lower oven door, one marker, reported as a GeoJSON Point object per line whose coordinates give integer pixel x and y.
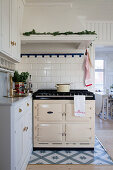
{"type": "Point", "coordinates": [49, 133]}
{"type": "Point", "coordinates": [79, 132]}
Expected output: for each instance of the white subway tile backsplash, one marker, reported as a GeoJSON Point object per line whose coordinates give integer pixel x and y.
{"type": "Point", "coordinates": [32, 72]}
{"type": "Point", "coordinates": [50, 59]}
{"type": "Point", "coordinates": [40, 59]}
{"type": "Point", "coordinates": [46, 79]}
{"type": "Point", "coordinates": [55, 79]}
{"type": "Point", "coordinates": [41, 85]}
{"type": "Point", "coordinates": [50, 85]}
{"type": "Point", "coordinates": [35, 85]}
{"type": "Point", "coordinates": [55, 73]}
{"type": "Point", "coordinates": [36, 66]}
{"type": "Point", "coordinates": [70, 60]}
{"type": "Point", "coordinates": [65, 79]}
{"type": "Point", "coordinates": [46, 66]}
{"type": "Point", "coordinates": [48, 71]}
{"type": "Point", "coordinates": [60, 59]}
{"type": "Point", "coordinates": [24, 59]}
{"type": "Point", "coordinates": [42, 73]}
{"type": "Point", "coordinates": [31, 59]}
{"type": "Point", "coordinates": [36, 79]}
{"type": "Point", "coordinates": [55, 66]}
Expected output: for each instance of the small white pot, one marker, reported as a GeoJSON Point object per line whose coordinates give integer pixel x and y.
{"type": "Point", "coordinates": [63, 87]}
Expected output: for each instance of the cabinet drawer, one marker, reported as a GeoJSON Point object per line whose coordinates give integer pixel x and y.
{"type": "Point", "coordinates": [49, 112]}
{"type": "Point", "coordinates": [49, 133]}
{"type": "Point", "coordinates": [78, 133]}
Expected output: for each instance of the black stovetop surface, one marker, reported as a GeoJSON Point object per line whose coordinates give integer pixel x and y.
{"type": "Point", "coordinates": [53, 94]}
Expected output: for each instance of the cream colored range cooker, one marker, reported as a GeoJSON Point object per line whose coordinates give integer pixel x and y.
{"type": "Point", "coordinates": [55, 125]}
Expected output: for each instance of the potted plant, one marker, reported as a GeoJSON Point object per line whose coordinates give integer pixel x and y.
{"type": "Point", "coordinates": [19, 80]}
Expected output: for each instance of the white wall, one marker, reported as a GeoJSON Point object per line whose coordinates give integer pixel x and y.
{"type": "Point", "coordinates": [64, 17]}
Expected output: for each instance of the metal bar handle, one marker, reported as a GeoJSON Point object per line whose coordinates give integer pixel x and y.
{"type": "Point", "coordinates": [50, 112]}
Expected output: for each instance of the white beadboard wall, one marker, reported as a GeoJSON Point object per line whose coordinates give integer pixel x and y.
{"type": "Point", "coordinates": [104, 29]}
{"type": "Point", "coordinates": [47, 72]}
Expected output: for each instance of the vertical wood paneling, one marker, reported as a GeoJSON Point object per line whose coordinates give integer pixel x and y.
{"type": "Point", "coordinates": [108, 33]}
{"type": "Point", "coordinates": [100, 32]}
{"type": "Point", "coordinates": [112, 31]}
{"type": "Point", "coordinates": [104, 29]}
{"type": "Point", "coordinates": [96, 28]}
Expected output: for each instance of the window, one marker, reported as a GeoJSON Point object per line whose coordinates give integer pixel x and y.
{"type": "Point", "coordinates": [99, 75]}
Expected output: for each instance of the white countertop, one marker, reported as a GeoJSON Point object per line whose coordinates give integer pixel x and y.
{"type": "Point", "coordinates": [11, 101]}
{"type": "Point", "coordinates": [101, 93]}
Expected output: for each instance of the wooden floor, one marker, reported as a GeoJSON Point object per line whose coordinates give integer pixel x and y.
{"type": "Point", "coordinates": [104, 131]}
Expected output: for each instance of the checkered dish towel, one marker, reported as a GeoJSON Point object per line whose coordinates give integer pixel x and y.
{"type": "Point", "coordinates": [79, 105]}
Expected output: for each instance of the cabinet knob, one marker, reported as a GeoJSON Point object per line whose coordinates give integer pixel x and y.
{"type": "Point", "coordinates": [15, 43]}
{"type": "Point", "coordinates": [12, 43]}
{"type": "Point", "coordinates": [64, 114]}
{"type": "Point", "coordinates": [25, 129]}
{"type": "Point", "coordinates": [64, 134]}
{"type": "Point", "coordinates": [27, 104]}
{"type": "Point", "coordinates": [20, 110]}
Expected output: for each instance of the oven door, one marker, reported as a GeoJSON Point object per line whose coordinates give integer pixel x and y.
{"type": "Point", "coordinates": [49, 112]}
{"type": "Point", "coordinates": [49, 133]}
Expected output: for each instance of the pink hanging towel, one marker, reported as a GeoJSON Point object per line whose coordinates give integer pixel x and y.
{"type": "Point", "coordinates": [87, 70]}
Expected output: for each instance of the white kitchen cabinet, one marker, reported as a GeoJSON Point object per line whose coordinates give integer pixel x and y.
{"type": "Point", "coordinates": [6, 27]}
{"type": "Point", "coordinates": [16, 144]}
{"type": "Point", "coordinates": [19, 140]}
{"type": "Point", "coordinates": [55, 124]}
{"type": "Point", "coordinates": [15, 30]}
{"type": "Point", "coordinates": [10, 32]}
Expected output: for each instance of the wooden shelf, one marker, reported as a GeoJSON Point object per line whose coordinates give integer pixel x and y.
{"type": "Point", "coordinates": [80, 41]}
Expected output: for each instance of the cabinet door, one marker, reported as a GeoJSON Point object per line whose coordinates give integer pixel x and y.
{"type": "Point", "coordinates": [6, 27]}
{"type": "Point", "coordinates": [27, 137]}
{"type": "Point", "coordinates": [49, 112]}
{"type": "Point", "coordinates": [15, 30]}
{"type": "Point", "coordinates": [19, 135]}
{"type": "Point", "coordinates": [49, 133]}
{"type": "Point", "coordinates": [78, 132]}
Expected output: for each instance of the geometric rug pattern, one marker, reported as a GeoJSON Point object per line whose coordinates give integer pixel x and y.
{"type": "Point", "coordinates": [98, 156]}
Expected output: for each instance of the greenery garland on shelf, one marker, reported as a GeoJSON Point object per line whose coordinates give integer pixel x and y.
{"type": "Point", "coordinates": [86, 32]}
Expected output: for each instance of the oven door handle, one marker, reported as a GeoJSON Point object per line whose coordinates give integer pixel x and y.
{"type": "Point", "coordinates": [50, 112]}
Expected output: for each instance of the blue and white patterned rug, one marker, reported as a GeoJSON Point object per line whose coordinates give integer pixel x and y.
{"type": "Point", "coordinates": [97, 156]}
